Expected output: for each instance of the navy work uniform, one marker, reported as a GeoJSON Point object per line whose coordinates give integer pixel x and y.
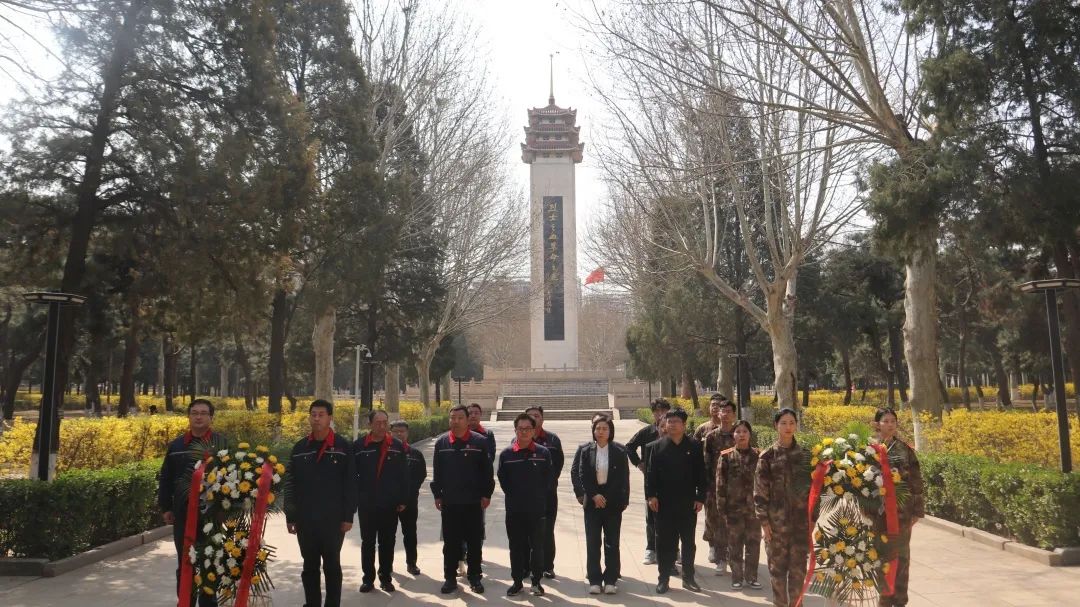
{"type": "Point", "coordinates": [462, 475]}
{"type": "Point", "coordinates": [382, 477]}
{"type": "Point", "coordinates": [525, 475]}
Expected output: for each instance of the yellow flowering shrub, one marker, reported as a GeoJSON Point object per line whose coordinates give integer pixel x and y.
{"type": "Point", "coordinates": [1027, 389]}
{"type": "Point", "coordinates": [1002, 436]}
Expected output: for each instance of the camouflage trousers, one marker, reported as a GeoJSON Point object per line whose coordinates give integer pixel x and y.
{"type": "Point", "coordinates": [744, 546]}
{"type": "Point", "coordinates": [899, 597]}
{"type": "Point", "coordinates": [787, 554]}
{"type": "Point", "coordinates": [716, 533]}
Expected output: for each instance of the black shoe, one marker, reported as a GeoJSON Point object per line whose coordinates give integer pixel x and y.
{"type": "Point", "coordinates": [537, 589]}
{"type": "Point", "coordinates": [549, 574]}
{"type": "Point", "coordinates": [413, 570]}
{"type": "Point", "coordinates": [387, 585]}
{"type": "Point", "coordinates": [691, 585]}
{"type": "Point", "coordinates": [662, 587]}
{"type": "Point", "coordinates": [515, 589]}
{"type": "Point", "coordinates": [367, 587]}
{"type": "Point", "coordinates": [476, 587]}
{"type": "Point", "coordinates": [448, 587]}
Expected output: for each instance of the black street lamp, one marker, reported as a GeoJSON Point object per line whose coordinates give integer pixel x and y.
{"type": "Point", "coordinates": [368, 393]}
{"type": "Point", "coordinates": [1049, 288]}
{"type": "Point", "coordinates": [744, 412]}
{"type": "Point", "coordinates": [459, 380]}
{"type": "Point", "coordinates": [47, 436]}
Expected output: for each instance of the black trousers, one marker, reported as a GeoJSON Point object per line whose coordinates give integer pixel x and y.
{"type": "Point", "coordinates": [526, 532]}
{"type": "Point", "coordinates": [650, 529]}
{"type": "Point", "coordinates": [675, 524]}
{"type": "Point", "coordinates": [407, 518]}
{"type": "Point", "coordinates": [178, 541]}
{"type": "Point", "coordinates": [462, 523]}
{"type": "Point", "coordinates": [378, 526]}
{"type": "Point", "coordinates": [602, 528]}
{"type": "Point", "coordinates": [320, 543]}
{"type": "Point", "coordinates": [549, 537]}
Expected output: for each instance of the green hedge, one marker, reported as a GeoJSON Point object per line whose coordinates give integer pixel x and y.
{"type": "Point", "coordinates": [81, 509]}
{"type": "Point", "coordinates": [1038, 507]}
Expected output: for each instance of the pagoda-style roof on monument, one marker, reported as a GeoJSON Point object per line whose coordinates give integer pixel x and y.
{"type": "Point", "coordinates": [552, 133]}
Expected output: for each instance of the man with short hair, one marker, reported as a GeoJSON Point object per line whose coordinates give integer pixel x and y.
{"type": "Point", "coordinates": [525, 477]}
{"type": "Point", "coordinates": [476, 415]}
{"type": "Point", "coordinates": [675, 490]}
{"type": "Point", "coordinates": [382, 473]}
{"type": "Point", "coordinates": [716, 436]}
{"type": "Point", "coordinates": [320, 503]}
{"type": "Point", "coordinates": [174, 480]}
{"type": "Point", "coordinates": [641, 438]}
{"type": "Point", "coordinates": [462, 482]}
{"type": "Point", "coordinates": [417, 474]}
{"type": "Point", "coordinates": [554, 445]}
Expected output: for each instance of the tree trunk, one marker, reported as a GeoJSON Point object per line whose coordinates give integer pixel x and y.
{"type": "Point", "coordinates": [725, 375]}
{"type": "Point", "coordinates": [276, 367]}
{"type": "Point", "coordinates": [193, 375]}
{"type": "Point", "coordinates": [393, 381]}
{"type": "Point", "coordinates": [961, 361]}
{"type": "Point", "coordinates": [845, 361]}
{"type": "Point", "coordinates": [223, 376]}
{"type": "Point", "coordinates": [127, 375]}
{"type": "Point", "coordinates": [785, 360]}
{"type": "Point", "coordinates": [920, 326]}
{"type": "Point", "coordinates": [1001, 378]}
{"type": "Point", "coordinates": [14, 371]}
{"type": "Point", "coordinates": [322, 341]}
{"type": "Point", "coordinates": [423, 372]}
{"type": "Point", "coordinates": [159, 387]}
{"type": "Point", "coordinates": [93, 373]}
{"type": "Point", "coordinates": [896, 358]}
{"type": "Point", "coordinates": [247, 381]}
{"type": "Point", "coordinates": [172, 358]}
{"type": "Point", "coordinates": [688, 389]}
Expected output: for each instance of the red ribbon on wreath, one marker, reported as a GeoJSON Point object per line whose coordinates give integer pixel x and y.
{"type": "Point", "coordinates": [892, 520]}
{"type": "Point", "coordinates": [817, 483]}
{"type": "Point", "coordinates": [191, 530]}
{"type": "Point", "coordinates": [258, 518]}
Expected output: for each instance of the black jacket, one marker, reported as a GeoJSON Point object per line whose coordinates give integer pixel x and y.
{"type": "Point", "coordinates": [389, 489]}
{"type": "Point", "coordinates": [417, 472]}
{"type": "Point", "coordinates": [676, 472]}
{"type": "Point", "coordinates": [641, 438]}
{"type": "Point", "coordinates": [525, 476]}
{"type": "Point", "coordinates": [489, 437]}
{"type": "Point", "coordinates": [462, 472]}
{"type": "Point", "coordinates": [554, 445]}
{"type": "Point", "coordinates": [174, 479]}
{"type": "Point", "coordinates": [617, 489]}
{"type": "Point", "coordinates": [320, 489]}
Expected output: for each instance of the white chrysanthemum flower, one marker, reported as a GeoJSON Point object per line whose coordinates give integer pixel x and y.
{"type": "Point", "coordinates": [206, 564]}
{"type": "Point", "coordinates": [249, 476]}
{"type": "Point", "coordinates": [220, 569]}
{"type": "Point", "coordinates": [838, 476]}
{"type": "Point", "coordinates": [838, 559]}
{"type": "Point", "coordinates": [226, 504]}
{"type": "Point", "coordinates": [247, 504]}
{"type": "Point", "coordinates": [223, 453]}
{"type": "Point", "coordinates": [207, 527]}
{"type": "Point", "coordinates": [192, 554]}
{"type": "Point", "coordinates": [853, 436]}
{"type": "Point", "coordinates": [865, 492]}
{"type": "Point", "coordinates": [255, 493]}
{"type": "Point", "coordinates": [871, 451]}
{"type": "Point", "coordinates": [859, 457]}
{"type": "Point", "coordinates": [244, 543]}
{"type": "Point", "coordinates": [217, 538]}
{"type": "Point", "coordinates": [241, 454]}
{"type": "Point", "coordinates": [208, 551]}
{"type": "Point", "coordinates": [879, 481]}
{"type": "Point", "coordinates": [862, 545]}
{"type": "Point", "coordinates": [869, 474]}
{"type": "Point", "coordinates": [276, 478]}
{"type": "Point", "coordinates": [827, 453]}
{"type": "Point", "coordinates": [259, 460]}
{"type": "Point", "coordinates": [215, 487]}
{"type": "Point", "coordinates": [850, 550]}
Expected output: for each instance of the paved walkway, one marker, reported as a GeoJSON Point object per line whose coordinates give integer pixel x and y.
{"type": "Point", "coordinates": [948, 571]}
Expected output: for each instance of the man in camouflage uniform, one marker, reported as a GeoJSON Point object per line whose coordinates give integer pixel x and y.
{"type": "Point", "coordinates": [780, 492]}
{"type": "Point", "coordinates": [715, 436]}
{"type": "Point", "coordinates": [903, 460]}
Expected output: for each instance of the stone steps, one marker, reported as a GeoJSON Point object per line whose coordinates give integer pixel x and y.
{"type": "Point", "coordinates": [556, 403]}
{"type": "Point", "coordinates": [556, 414]}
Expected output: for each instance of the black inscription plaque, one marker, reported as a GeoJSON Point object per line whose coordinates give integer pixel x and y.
{"type": "Point", "coordinates": [554, 296]}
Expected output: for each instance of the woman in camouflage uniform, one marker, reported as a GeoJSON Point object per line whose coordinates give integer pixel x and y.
{"type": "Point", "coordinates": [735, 472]}
{"type": "Point", "coordinates": [780, 493]}
{"type": "Point", "coordinates": [902, 459]}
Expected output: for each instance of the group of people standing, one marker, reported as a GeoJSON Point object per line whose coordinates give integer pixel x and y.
{"type": "Point", "coordinates": [746, 494]}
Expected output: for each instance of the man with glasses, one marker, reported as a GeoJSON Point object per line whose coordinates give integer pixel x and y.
{"type": "Point", "coordinates": [525, 475]}
{"type": "Point", "coordinates": [174, 481]}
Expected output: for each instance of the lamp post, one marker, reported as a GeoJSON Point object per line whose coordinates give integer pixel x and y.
{"type": "Point", "coordinates": [744, 409]}
{"type": "Point", "coordinates": [459, 380]}
{"type": "Point", "coordinates": [43, 458]}
{"type": "Point", "coordinates": [356, 395]}
{"type": "Point", "coordinates": [1049, 289]}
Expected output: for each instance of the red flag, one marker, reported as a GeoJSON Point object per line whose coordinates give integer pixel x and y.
{"type": "Point", "coordinates": [596, 275]}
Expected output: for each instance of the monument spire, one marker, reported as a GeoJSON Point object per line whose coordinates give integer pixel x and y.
{"type": "Point", "coordinates": [551, 89]}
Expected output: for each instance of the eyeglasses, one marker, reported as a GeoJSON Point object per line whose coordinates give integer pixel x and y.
{"type": "Point", "coordinates": [524, 430]}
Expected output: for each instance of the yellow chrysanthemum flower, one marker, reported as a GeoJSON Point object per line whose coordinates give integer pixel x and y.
{"type": "Point", "coordinates": [872, 554]}
{"type": "Point", "coordinates": [225, 490]}
{"type": "Point", "coordinates": [245, 466]}
{"type": "Point", "coordinates": [837, 489]}
{"type": "Point", "coordinates": [895, 476]}
{"type": "Point", "coordinates": [856, 482]}
{"type": "Point", "coordinates": [814, 461]}
{"type": "Point", "coordinates": [851, 563]}
{"type": "Point", "coordinates": [817, 449]}
{"type": "Point", "coordinates": [828, 480]}
{"type": "Point", "coordinates": [819, 576]}
{"type": "Point", "coordinates": [263, 555]}
{"type": "Point", "coordinates": [254, 580]}
{"type": "Point", "coordinates": [840, 546]}
{"type": "Point", "coordinates": [262, 449]}
{"type": "Point", "coordinates": [279, 468]}
{"type": "Point", "coordinates": [845, 521]}
{"type": "Point", "coordinates": [886, 567]}
{"type": "Point", "coordinates": [211, 576]}
{"type": "Point", "coordinates": [817, 535]}
{"type": "Point", "coordinates": [851, 530]}
{"type": "Point", "coordinates": [270, 498]}
{"type": "Point", "coordinates": [245, 487]}
{"type": "Point", "coordinates": [208, 591]}
{"type": "Point", "coordinates": [827, 442]}
{"type": "Point", "coordinates": [823, 555]}
{"type": "Point", "coordinates": [883, 491]}
{"type": "Point", "coordinates": [837, 578]}
{"type": "Point", "coordinates": [243, 446]}
{"type": "Point", "coordinates": [884, 539]}
{"type": "Point", "coordinates": [198, 580]}
{"type": "Point", "coordinates": [272, 459]}
{"type": "Point", "coordinates": [235, 571]}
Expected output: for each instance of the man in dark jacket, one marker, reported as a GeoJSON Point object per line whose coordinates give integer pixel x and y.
{"type": "Point", "coordinates": [675, 490]}
{"type": "Point", "coordinates": [462, 482]}
{"type": "Point", "coordinates": [320, 502]}
{"type": "Point", "coordinates": [417, 474]}
{"type": "Point", "coordinates": [476, 416]}
{"type": "Point", "coordinates": [601, 473]}
{"type": "Point", "coordinates": [382, 475]}
{"type": "Point", "coordinates": [174, 480]}
{"type": "Point", "coordinates": [525, 475]}
{"type": "Point", "coordinates": [554, 445]}
{"type": "Point", "coordinates": [642, 437]}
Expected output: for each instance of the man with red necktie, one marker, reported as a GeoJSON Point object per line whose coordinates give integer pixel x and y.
{"type": "Point", "coordinates": [174, 481]}
{"type": "Point", "coordinates": [382, 477]}
{"type": "Point", "coordinates": [320, 502]}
